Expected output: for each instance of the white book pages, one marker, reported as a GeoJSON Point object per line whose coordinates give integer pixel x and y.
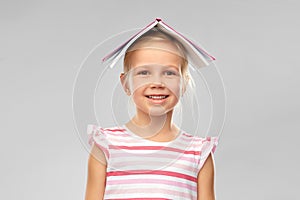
{"type": "Point", "coordinates": [197, 56]}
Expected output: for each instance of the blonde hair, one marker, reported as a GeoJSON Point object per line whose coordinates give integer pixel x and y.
{"type": "Point", "coordinates": [154, 35]}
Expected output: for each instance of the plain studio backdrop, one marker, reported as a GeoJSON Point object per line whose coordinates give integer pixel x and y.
{"type": "Point", "coordinates": [256, 43]}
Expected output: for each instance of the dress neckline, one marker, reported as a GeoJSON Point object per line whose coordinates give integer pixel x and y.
{"type": "Point", "coordinates": [178, 136]}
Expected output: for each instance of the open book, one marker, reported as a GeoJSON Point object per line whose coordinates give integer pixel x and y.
{"type": "Point", "coordinates": [196, 55]}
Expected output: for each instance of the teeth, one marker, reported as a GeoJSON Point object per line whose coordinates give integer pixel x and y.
{"type": "Point", "coordinates": [157, 97]}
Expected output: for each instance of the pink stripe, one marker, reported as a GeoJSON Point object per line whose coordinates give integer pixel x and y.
{"type": "Point", "coordinates": [158, 181]}
{"type": "Point", "coordinates": [148, 172]}
{"type": "Point", "coordinates": [188, 135]}
{"type": "Point", "coordinates": [214, 149]}
{"type": "Point", "coordinates": [115, 130]}
{"type": "Point", "coordinates": [154, 148]}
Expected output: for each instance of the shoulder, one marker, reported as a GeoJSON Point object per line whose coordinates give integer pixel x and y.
{"type": "Point", "coordinates": [107, 136]}
{"type": "Point", "coordinates": [113, 130]}
{"type": "Point", "coordinates": [206, 143]}
{"type": "Point", "coordinates": [198, 141]}
{"type": "Point", "coordinates": [204, 148]}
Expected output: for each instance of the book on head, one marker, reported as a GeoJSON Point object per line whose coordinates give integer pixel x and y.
{"type": "Point", "coordinates": [196, 55]}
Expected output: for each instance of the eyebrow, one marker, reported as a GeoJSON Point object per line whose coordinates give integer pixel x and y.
{"type": "Point", "coordinates": [174, 67]}
{"type": "Point", "coordinates": [164, 66]}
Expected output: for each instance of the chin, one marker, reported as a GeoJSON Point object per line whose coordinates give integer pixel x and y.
{"type": "Point", "coordinates": [158, 111]}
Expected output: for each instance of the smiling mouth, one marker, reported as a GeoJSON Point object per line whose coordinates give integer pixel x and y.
{"type": "Point", "coordinates": [157, 96]}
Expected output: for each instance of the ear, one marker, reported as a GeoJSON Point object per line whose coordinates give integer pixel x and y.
{"type": "Point", "coordinates": [124, 83]}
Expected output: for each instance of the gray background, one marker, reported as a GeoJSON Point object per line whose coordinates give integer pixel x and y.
{"type": "Point", "coordinates": [42, 44]}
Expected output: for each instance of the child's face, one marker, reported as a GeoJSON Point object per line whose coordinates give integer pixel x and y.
{"type": "Point", "coordinates": [155, 80]}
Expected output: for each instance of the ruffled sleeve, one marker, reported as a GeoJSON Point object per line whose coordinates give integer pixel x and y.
{"type": "Point", "coordinates": [207, 145]}
{"type": "Point", "coordinates": [96, 136]}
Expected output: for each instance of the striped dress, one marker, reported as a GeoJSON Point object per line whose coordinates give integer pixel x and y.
{"type": "Point", "coordinates": [138, 168]}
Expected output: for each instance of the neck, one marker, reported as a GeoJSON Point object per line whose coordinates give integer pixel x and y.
{"type": "Point", "coordinates": [149, 125]}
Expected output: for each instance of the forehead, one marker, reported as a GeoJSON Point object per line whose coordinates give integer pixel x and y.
{"type": "Point", "coordinates": [154, 56]}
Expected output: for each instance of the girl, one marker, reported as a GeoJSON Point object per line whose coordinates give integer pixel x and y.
{"type": "Point", "coordinates": [149, 157]}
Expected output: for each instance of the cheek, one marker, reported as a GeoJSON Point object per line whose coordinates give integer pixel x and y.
{"type": "Point", "coordinates": [137, 87]}
{"type": "Point", "coordinates": [137, 84]}
{"type": "Point", "coordinates": [174, 87]}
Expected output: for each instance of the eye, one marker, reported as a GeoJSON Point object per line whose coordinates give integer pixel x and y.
{"type": "Point", "coordinates": [170, 73]}
{"type": "Point", "coordinates": [144, 72]}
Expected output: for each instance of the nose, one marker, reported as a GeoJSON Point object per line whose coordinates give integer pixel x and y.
{"type": "Point", "coordinates": [157, 85]}
{"type": "Point", "coordinates": [157, 81]}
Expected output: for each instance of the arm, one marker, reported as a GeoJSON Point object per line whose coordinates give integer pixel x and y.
{"type": "Point", "coordinates": [96, 175]}
{"type": "Point", "coordinates": [205, 184]}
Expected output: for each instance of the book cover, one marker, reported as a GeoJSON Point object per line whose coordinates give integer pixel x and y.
{"type": "Point", "coordinates": [196, 55]}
